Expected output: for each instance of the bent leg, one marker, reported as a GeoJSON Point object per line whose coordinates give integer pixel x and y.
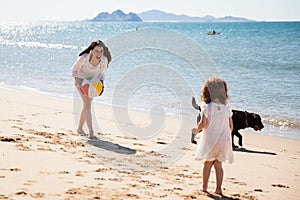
{"type": "Point", "coordinates": [86, 115]}
{"type": "Point", "coordinates": [87, 104]}
{"type": "Point", "coordinates": [82, 115]}
{"type": "Point", "coordinates": [81, 121]}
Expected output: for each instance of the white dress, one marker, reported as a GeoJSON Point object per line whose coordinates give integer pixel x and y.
{"type": "Point", "coordinates": [215, 140]}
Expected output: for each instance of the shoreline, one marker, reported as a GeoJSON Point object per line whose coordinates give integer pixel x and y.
{"type": "Point", "coordinates": [42, 156]}
{"type": "Point", "coordinates": [270, 126]}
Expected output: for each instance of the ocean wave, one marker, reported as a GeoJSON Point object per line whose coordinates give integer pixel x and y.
{"type": "Point", "coordinates": [281, 123]}
{"type": "Point", "coordinates": [36, 45]}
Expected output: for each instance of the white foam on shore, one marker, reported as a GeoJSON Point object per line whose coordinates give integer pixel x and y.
{"type": "Point", "coordinates": [33, 44]}
{"type": "Point", "coordinates": [273, 127]}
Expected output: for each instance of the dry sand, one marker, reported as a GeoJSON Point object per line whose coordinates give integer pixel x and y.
{"type": "Point", "coordinates": [42, 157]}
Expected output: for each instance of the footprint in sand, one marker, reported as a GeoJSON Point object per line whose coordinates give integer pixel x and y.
{"type": "Point", "coordinates": [45, 126]}
{"type": "Point", "coordinates": [2, 196]}
{"type": "Point", "coordinates": [73, 191]}
{"type": "Point", "coordinates": [37, 195]}
{"type": "Point", "coordinates": [185, 149]}
{"type": "Point", "coordinates": [160, 142]}
{"type": "Point", "coordinates": [100, 179]}
{"type": "Point", "coordinates": [154, 153]}
{"type": "Point", "coordinates": [127, 137]}
{"type": "Point", "coordinates": [149, 183]}
{"type": "Point", "coordinates": [115, 179]}
{"type": "Point", "coordinates": [45, 149]}
{"type": "Point", "coordinates": [15, 120]}
{"type": "Point", "coordinates": [138, 144]}
{"type": "Point", "coordinates": [80, 173]}
{"type": "Point", "coordinates": [64, 172]}
{"type": "Point", "coordinates": [21, 117]}
{"type": "Point", "coordinates": [258, 190]}
{"type": "Point", "coordinates": [184, 175]}
{"type": "Point", "coordinates": [102, 170]}
{"type": "Point", "coordinates": [17, 127]}
{"type": "Point", "coordinates": [23, 193]}
{"type": "Point", "coordinates": [177, 188]}
{"type": "Point", "coordinates": [40, 133]}
{"type": "Point", "coordinates": [7, 139]}
{"type": "Point", "coordinates": [47, 173]}
{"type": "Point", "coordinates": [14, 169]}
{"type": "Point", "coordinates": [124, 172]}
{"type": "Point", "coordinates": [280, 186]}
{"type": "Point", "coordinates": [68, 182]}
{"type": "Point", "coordinates": [29, 182]}
{"type": "Point", "coordinates": [22, 147]}
{"type": "Point", "coordinates": [234, 181]}
{"type": "Point", "coordinates": [134, 196]}
{"type": "Point", "coordinates": [72, 132]}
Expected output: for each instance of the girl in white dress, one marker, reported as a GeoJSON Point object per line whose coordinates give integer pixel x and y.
{"type": "Point", "coordinates": [92, 62]}
{"type": "Point", "coordinates": [216, 125]}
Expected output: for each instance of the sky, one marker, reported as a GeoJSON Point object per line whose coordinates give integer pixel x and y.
{"type": "Point", "coordinates": [72, 10]}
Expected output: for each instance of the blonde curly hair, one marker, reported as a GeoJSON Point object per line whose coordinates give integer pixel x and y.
{"type": "Point", "coordinates": [215, 90]}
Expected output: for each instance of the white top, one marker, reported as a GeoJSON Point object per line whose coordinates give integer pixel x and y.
{"type": "Point", "coordinates": [82, 68]}
{"type": "Point", "coordinates": [215, 140]}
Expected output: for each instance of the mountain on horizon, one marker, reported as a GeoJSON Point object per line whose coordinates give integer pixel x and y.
{"type": "Point", "coordinates": [116, 16]}
{"type": "Point", "coordinates": [159, 16]}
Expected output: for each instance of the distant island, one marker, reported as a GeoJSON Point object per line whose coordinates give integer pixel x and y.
{"type": "Point", "coordinates": [160, 16]}
{"type": "Point", "coordinates": [116, 16]}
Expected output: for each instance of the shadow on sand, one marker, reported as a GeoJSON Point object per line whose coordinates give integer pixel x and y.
{"type": "Point", "coordinates": [219, 197]}
{"type": "Point", "coordinates": [253, 151]}
{"type": "Point", "coordinates": [109, 146]}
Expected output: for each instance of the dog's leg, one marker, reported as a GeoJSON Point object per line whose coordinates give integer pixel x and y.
{"type": "Point", "coordinates": [240, 138]}
{"type": "Point", "coordinates": [193, 138]}
{"type": "Point", "coordinates": [194, 135]}
{"type": "Point", "coordinates": [233, 133]}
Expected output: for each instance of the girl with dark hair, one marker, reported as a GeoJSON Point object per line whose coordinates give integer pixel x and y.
{"type": "Point", "coordinates": [92, 62]}
{"type": "Point", "coordinates": [216, 122]}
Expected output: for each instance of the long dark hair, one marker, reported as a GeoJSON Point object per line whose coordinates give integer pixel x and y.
{"type": "Point", "coordinates": [98, 43]}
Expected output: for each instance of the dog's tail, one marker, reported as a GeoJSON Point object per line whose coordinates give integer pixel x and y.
{"type": "Point", "coordinates": [195, 105]}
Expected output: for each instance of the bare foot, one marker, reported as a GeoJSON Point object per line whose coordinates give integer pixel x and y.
{"type": "Point", "coordinates": [219, 192]}
{"type": "Point", "coordinates": [81, 132]}
{"type": "Point", "coordinates": [92, 136]}
{"type": "Point", "coordinates": [204, 189]}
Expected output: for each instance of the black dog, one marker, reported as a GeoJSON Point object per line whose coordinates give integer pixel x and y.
{"type": "Point", "coordinates": [240, 119]}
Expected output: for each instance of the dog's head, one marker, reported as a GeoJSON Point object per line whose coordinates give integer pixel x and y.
{"type": "Point", "coordinates": [254, 121]}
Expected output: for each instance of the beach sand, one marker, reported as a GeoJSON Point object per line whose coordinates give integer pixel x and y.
{"type": "Point", "coordinates": [42, 157]}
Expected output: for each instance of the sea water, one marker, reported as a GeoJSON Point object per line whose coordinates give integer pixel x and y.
{"type": "Point", "coordinates": [259, 60]}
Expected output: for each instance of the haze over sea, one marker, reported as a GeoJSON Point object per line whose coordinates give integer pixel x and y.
{"type": "Point", "coordinates": [259, 60]}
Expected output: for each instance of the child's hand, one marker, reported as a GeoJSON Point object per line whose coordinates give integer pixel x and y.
{"type": "Point", "coordinates": [194, 131]}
